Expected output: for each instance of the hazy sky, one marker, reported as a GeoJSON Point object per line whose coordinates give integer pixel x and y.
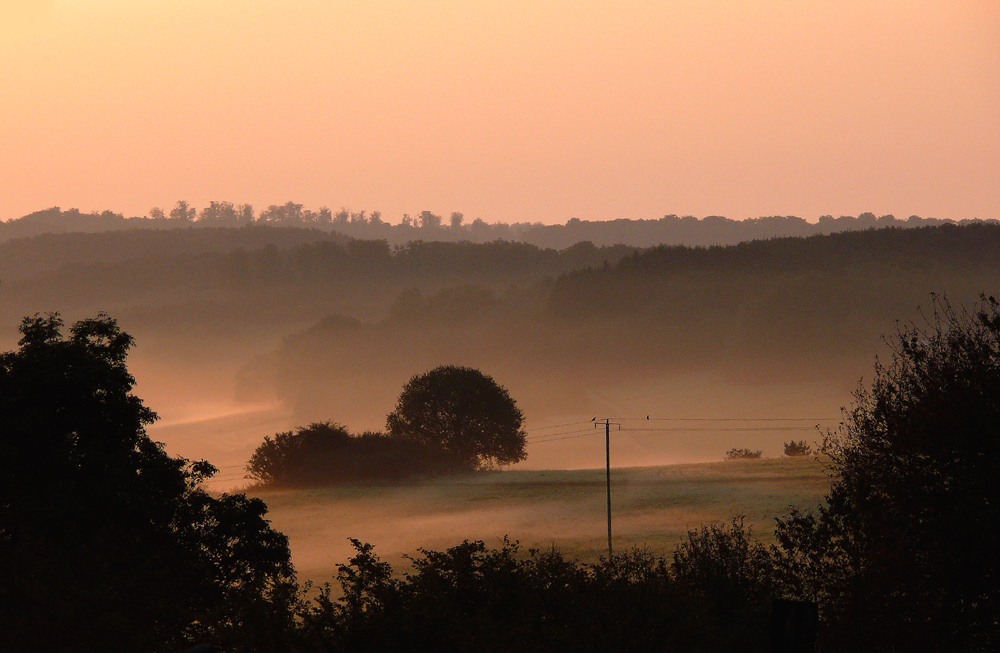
{"type": "Point", "coordinates": [516, 110]}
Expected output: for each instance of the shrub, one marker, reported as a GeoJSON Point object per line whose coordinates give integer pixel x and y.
{"type": "Point", "coordinates": [715, 596]}
{"type": "Point", "coordinates": [325, 453]}
{"type": "Point", "coordinates": [799, 448]}
{"type": "Point", "coordinates": [742, 454]}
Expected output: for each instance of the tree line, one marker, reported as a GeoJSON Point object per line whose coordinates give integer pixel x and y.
{"type": "Point", "coordinates": [671, 229]}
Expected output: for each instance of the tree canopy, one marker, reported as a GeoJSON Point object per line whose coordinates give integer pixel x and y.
{"type": "Point", "coordinates": [464, 411]}
{"type": "Point", "coordinates": [105, 540]}
{"type": "Point", "coordinates": [904, 556]}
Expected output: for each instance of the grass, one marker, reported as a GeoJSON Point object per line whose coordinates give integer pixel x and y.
{"type": "Point", "coordinates": [566, 509]}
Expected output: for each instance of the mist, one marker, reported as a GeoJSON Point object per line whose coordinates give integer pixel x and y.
{"type": "Point", "coordinates": [242, 333]}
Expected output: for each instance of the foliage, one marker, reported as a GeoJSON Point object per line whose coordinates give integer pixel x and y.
{"type": "Point", "coordinates": [797, 448]}
{"type": "Point", "coordinates": [903, 557]}
{"type": "Point", "coordinates": [326, 453]}
{"type": "Point", "coordinates": [743, 454]}
{"type": "Point", "coordinates": [105, 540]}
{"type": "Point", "coordinates": [713, 597]}
{"type": "Point", "coordinates": [730, 580]}
{"type": "Point", "coordinates": [464, 411]}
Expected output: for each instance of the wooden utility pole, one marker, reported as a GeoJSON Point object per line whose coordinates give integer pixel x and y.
{"type": "Point", "coordinates": [607, 449]}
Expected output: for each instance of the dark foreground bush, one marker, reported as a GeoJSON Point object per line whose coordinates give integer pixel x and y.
{"type": "Point", "coordinates": [326, 453]}
{"type": "Point", "coordinates": [903, 554]}
{"type": "Point", "coordinates": [714, 596]}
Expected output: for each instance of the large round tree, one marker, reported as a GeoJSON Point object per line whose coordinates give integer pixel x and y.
{"type": "Point", "coordinates": [464, 411]}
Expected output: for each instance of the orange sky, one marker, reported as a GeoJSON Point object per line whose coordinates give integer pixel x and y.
{"type": "Point", "coordinates": [536, 110]}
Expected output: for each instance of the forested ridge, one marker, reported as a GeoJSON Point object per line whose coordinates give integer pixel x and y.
{"type": "Point", "coordinates": [784, 309]}
{"type": "Point", "coordinates": [326, 321]}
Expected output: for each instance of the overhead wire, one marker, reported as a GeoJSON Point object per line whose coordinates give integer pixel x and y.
{"type": "Point", "coordinates": [557, 426]}
{"type": "Point", "coordinates": [776, 424]}
{"type": "Point", "coordinates": [729, 419]}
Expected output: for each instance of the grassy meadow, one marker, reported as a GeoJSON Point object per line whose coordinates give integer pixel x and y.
{"type": "Point", "coordinates": [651, 506]}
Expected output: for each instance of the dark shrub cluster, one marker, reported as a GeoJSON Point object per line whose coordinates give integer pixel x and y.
{"type": "Point", "coordinates": [797, 448]}
{"type": "Point", "coordinates": [743, 454]}
{"type": "Point", "coordinates": [715, 595]}
{"type": "Point", "coordinates": [903, 555]}
{"type": "Point", "coordinates": [325, 453]}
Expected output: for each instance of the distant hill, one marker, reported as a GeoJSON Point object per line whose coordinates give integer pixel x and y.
{"type": "Point", "coordinates": [427, 226]}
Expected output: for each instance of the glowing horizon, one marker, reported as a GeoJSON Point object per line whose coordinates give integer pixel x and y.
{"type": "Point", "coordinates": [510, 112]}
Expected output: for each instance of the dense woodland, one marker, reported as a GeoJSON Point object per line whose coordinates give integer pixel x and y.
{"type": "Point", "coordinates": [778, 310]}
{"type": "Point", "coordinates": [333, 326]}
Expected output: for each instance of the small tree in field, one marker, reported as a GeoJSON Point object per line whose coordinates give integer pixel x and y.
{"type": "Point", "coordinates": [799, 448]}
{"type": "Point", "coordinates": [464, 411]}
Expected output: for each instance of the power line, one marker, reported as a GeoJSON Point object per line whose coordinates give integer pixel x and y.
{"type": "Point", "coordinates": [545, 436]}
{"type": "Point", "coordinates": [719, 429]}
{"type": "Point", "coordinates": [731, 419]}
{"type": "Point", "coordinates": [565, 437]}
{"type": "Point", "coordinates": [557, 426]}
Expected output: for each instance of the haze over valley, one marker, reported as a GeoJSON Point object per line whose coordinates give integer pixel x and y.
{"type": "Point", "coordinates": [243, 332]}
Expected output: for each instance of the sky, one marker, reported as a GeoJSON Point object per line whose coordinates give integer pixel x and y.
{"type": "Point", "coordinates": [522, 110]}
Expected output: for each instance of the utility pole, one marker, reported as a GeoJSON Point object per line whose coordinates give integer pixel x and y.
{"type": "Point", "coordinates": [607, 449]}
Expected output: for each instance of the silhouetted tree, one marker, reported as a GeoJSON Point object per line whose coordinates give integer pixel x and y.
{"type": "Point", "coordinates": [797, 448]}
{"type": "Point", "coordinates": [324, 453]}
{"type": "Point", "coordinates": [463, 410]}
{"type": "Point", "coordinates": [729, 579]}
{"type": "Point", "coordinates": [183, 212]}
{"type": "Point", "coordinates": [715, 596]}
{"type": "Point", "coordinates": [429, 221]}
{"type": "Point", "coordinates": [106, 542]}
{"type": "Point", "coordinates": [904, 556]}
{"type": "Point", "coordinates": [743, 454]}
{"type": "Point", "coordinates": [223, 214]}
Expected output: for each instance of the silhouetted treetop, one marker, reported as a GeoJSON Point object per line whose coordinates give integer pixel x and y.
{"type": "Point", "coordinates": [465, 412]}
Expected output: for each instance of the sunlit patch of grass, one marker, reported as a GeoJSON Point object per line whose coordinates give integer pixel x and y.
{"type": "Point", "coordinates": [651, 506]}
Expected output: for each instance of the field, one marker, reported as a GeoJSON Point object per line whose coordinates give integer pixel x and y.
{"type": "Point", "coordinates": [651, 506]}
